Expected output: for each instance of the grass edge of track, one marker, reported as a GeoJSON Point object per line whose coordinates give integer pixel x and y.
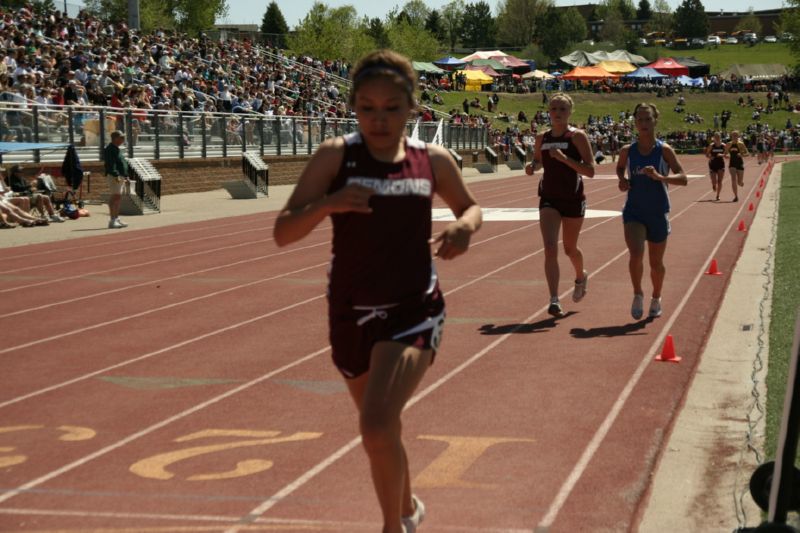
{"type": "Point", "coordinates": [785, 298]}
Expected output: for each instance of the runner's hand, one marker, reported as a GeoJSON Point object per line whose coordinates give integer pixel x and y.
{"type": "Point", "coordinates": [352, 198]}
{"type": "Point", "coordinates": [453, 241]}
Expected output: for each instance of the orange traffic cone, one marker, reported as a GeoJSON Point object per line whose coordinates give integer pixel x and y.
{"type": "Point", "coordinates": [712, 269]}
{"type": "Point", "coordinates": [750, 207]}
{"type": "Point", "coordinates": [668, 353]}
{"type": "Point", "coordinates": [742, 227]}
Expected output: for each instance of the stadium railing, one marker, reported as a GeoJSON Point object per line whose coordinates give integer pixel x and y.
{"type": "Point", "coordinates": [157, 134]}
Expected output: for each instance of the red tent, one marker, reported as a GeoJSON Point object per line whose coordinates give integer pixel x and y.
{"type": "Point", "coordinates": [511, 61]}
{"type": "Point", "coordinates": [670, 67]}
{"type": "Point", "coordinates": [485, 69]}
{"type": "Point", "coordinates": [589, 74]}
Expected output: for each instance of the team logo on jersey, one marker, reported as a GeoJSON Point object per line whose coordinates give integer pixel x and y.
{"type": "Point", "coordinates": [560, 146]}
{"type": "Point", "coordinates": [397, 187]}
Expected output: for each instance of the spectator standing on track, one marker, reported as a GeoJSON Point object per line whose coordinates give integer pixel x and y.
{"type": "Point", "coordinates": [736, 150]}
{"type": "Point", "coordinates": [386, 310]}
{"type": "Point", "coordinates": [715, 152]}
{"type": "Point", "coordinates": [647, 163]}
{"type": "Point", "coordinates": [116, 169]}
{"type": "Point", "coordinates": [565, 153]}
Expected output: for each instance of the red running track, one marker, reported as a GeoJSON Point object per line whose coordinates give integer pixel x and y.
{"type": "Point", "coordinates": [178, 379]}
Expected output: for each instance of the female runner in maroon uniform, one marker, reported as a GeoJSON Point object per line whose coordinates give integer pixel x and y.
{"type": "Point", "coordinates": [385, 308]}
{"type": "Point", "coordinates": [566, 155]}
{"type": "Point", "coordinates": [715, 152]}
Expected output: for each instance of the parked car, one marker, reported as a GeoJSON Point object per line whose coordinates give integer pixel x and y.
{"type": "Point", "coordinates": [714, 39]}
{"type": "Point", "coordinates": [770, 39]}
{"type": "Point", "coordinates": [751, 38]}
{"type": "Point", "coordinates": [786, 36]}
{"type": "Point", "coordinates": [698, 41]}
{"type": "Point", "coordinates": [731, 40]}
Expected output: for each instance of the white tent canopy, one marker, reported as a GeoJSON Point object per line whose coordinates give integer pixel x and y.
{"type": "Point", "coordinates": [483, 55]}
{"type": "Point", "coordinates": [537, 74]}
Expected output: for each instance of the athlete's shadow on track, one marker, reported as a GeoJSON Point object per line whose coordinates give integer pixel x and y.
{"type": "Point", "coordinates": [535, 327]}
{"type": "Point", "coordinates": [611, 331]}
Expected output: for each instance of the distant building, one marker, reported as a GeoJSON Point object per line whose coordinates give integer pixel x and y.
{"type": "Point", "coordinates": [718, 21]}
{"type": "Point", "coordinates": [223, 32]}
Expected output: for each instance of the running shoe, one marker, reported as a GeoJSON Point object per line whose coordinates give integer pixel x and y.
{"type": "Point", "coordinates": [637, 307]}
{"type": "Point", "coordinates": [580, 288]}
{"type": "Point", "coordinates": [411, 523]}
{"type": "Point", "coordinates": [555, 308]}
{"type": "Point", "coordinates": [56, 218]}
{"type": "Point", "coordinates": [655, 308]}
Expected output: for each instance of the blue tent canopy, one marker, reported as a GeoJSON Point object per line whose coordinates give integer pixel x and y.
{"type": "Point", "coordinates": [449, 61]}
{"type": "Point", "coordinates": [6, 147]}
{"type": "Point", "coordinates": [686, 81]}
{"type": "Point", "coordinates": [646, 72]}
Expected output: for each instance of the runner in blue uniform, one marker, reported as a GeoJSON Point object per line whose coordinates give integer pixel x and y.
{"type": "Point", "coordinates": [386, 311]}
{"type": "Point", "coordinates": [647, 164]}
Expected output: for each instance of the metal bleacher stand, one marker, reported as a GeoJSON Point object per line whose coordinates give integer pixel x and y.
{"type": "Point", "coordinates": [491, 162]}
{"type": "Point", "coordinates": [458, 159]}
{"type": "Point", "coordinates": [144, 196]}
{"type": "Point", "coordinates": [255, 181]}
{"type": "Point", "coordinates": [517, 160]}
{"type": "Point", "coordinates": [775, 485]}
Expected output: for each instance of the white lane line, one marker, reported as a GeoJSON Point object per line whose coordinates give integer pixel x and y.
{"type": "Point", "coordinates": [319, 467]}
{"type": "Point", "coordinates": [594, 444]}
{"type": "Point", "coordinates": [151, 282]}
{"type": "Point", "coordinates": [98, 325]}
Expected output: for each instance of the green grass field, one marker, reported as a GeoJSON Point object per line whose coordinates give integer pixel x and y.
{"type": "Point", "coordinates": [705, 104]}
{"type": "Point", "coordinates": [785, 301]}
{"type": "Point", "coordinates": [725, 55]}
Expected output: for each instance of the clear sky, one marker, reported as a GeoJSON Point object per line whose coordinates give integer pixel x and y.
{"type": "Point", "coordinates": [252, 11]}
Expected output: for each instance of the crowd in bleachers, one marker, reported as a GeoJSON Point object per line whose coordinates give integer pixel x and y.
{"type": "Point", "coordinates": [51, 59]}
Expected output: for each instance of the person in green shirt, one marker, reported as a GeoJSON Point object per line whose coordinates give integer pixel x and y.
{"type": "Point", "coordinates": [116, 169]}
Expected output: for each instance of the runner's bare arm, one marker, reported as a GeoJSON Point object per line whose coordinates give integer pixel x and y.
{"type": "Point", "coordinates": [622, 163]}
{"type": "Point", "coordinates": [584, 167]}
{"type": "Point", "coordinates": [454, 239]}
{"type": "Point", "coordinates": [675, 166]}
{"type": "Point", "coordinates": [309, 203]}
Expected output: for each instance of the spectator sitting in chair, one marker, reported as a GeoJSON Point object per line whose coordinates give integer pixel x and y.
{"type": "Point", "coordinates": [22, 187]}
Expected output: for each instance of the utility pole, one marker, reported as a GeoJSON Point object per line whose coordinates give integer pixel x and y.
{"type": "Point", "coordinates": [133, 14]}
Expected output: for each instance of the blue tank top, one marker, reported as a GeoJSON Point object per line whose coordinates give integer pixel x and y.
{"type": "Point", "coordinates": [383, 257]}
{"type": "Point", "coordinates": [647, 195]}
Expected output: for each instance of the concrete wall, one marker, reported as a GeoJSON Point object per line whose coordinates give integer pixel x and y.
{"type": "Point", "coordinates": [180, 176]}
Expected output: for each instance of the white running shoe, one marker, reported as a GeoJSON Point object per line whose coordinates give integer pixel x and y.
{"type": "Point", "coordinates": [580, 288]}
{"type": "Point", "coordinates": [655, 308]}
{"type": "Point", "coordinates": [119, 221]}
{"type": "Point", "coordinates": [637, 307]}
{"type": "Point", "coordinates": [56, 218]}
{"type": "Point", "coordinates": [554, 308]}
{"type": "Point", "coordinates": [115, 223]}
{"type": "Point", "coordinates": [411, 523]}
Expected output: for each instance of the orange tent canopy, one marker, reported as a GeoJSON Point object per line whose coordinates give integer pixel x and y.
{"type": "Point", "coordinates": [589, 74]}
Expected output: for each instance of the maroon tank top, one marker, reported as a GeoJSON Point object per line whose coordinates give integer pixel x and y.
{"type": "Point", "coordinates": [559, 181]}
{"type": "Point", "coordinates": [383, 257]}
